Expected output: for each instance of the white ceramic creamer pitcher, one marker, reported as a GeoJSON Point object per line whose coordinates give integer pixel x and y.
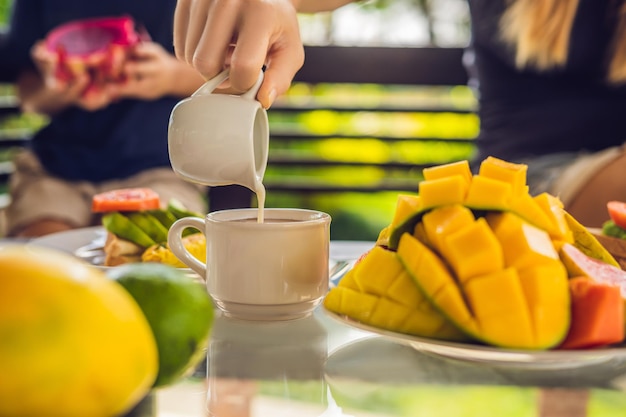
{"type": "Point", "coordinates": [220, 139]}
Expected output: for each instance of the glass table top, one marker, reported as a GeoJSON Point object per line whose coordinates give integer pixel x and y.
{"type": "Point", "coordinates": [323, 367]}
{"type": "Point", "coordinates": [318, 366]}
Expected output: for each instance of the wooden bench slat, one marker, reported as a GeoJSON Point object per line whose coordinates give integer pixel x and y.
{"type": "Point", "coordinates": [317, 162]}
{"type": "Point", "coordinates": [307, 107]}
{"type": "Point", "coordinates": [305, 137]}
{"type": "Point", "coordinates": [308, 188]}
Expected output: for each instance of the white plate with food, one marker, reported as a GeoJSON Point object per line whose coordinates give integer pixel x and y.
{"type": "Point", "coordinates": [85, 243]}
{"type": "Point", "coordinates": [614, 357]}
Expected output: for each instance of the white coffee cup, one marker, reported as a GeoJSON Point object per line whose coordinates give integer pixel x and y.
{"type": "Point", "coordinates": [275, 270]}
{"type": "Point", "coordinates": [220, 139]}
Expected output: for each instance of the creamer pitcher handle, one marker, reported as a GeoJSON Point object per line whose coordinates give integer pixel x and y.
{"type": "Point", "coordinates": [209, 86]}
{"type": "Point", "coordinates": [175, 242]}
{"type": "Point", "coordinates": [251, 93]}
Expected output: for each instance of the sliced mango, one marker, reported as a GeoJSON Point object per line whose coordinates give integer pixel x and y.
{"type": "Point", "coordinates": [377, 271]}
{"type": "Point", "coordinates": [489, 193]}
{"type": "Point", "coordinates": [349, 280]}
{"type": "Point", "coordinates": [419, 232]}
{"type": "Point", "coordinates": [512, 173]}
{"type": "Point", "coordinates": [442, 221]}
{"type": "Point", "coordinates": [545, 287]}
{"type": "Point", "coordinates": [461, 168]}
{"type": "Point", "coordinates": [525, 206]}
{"type": "Point", "coordinates": [473, 250]}
{"type": "Point", "coordinates": [500, 186]}
{"type": "Point", "coordinates": [442, 191]}
{"type": "Point", "coordinates": [553, 207]}
{"type": "Point", "coordinates": [387, 298]}
{"type": "Point", "coordinates": [354, 304]}
{"type": "Point", "coordinates": [498, 297]}
{"type": "Point", "coordinates": [389, 315]}
{"type": "Point", "coordinates": [383, 236]}
{"type": "Point", "coordinates": [508, 307]}
{"type": "Point", "coordinates": [436, 282]}
{"type": "Point", "coordinates": [523, 244]}
{"type": "Point", "coordinates": [406, 206]}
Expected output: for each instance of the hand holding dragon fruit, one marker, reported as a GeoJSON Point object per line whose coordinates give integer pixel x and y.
{"type": "Point", "coordinates": [95, 47]}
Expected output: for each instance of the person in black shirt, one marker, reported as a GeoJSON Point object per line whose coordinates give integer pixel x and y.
{"type": "Point", "coordinates": [114, 138]}
{"type": "Point", "coordinates": [550, 78]}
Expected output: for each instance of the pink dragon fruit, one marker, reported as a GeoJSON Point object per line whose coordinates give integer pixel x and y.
{"type": "Point", "coordinates": [97, 46]}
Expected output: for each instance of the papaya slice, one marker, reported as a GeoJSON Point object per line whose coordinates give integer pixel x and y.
{"type": "Point", "coordinates": [597, 312]}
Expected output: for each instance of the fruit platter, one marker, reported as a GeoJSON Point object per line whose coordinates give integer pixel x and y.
{"type": "Point", "coordinates": [474, 267]}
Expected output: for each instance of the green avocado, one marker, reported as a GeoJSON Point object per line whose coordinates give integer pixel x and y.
{"type": "Point", "coordinates": [150, 225]}
{"type": "Point", "coordinates": [180, 313]}
{"type": "Point", "coordinates": [121, 226]}
{"type": "Point", "coordinates": [179, 211]}
{"type": "Point", "coordinates": [609, 228]}
{"type": "Point", "coordinates": [166, 218]}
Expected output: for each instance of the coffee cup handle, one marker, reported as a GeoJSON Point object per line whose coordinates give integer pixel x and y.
{"type": "Point", "coordinates": [175, 243]}
{"type": "Point", "coordinates": [209, 86]}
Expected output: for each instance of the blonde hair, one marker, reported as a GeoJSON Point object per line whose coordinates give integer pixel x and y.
{"type": "Point", "coordinates": [539, 30]}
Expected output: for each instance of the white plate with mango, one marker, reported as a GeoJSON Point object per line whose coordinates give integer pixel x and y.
{"type": "Point", "coordinates": [473, 267]}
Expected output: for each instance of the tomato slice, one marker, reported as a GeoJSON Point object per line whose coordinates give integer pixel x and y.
{"type": "Point", "coordinates": [126, 199]}
{"type": "Point", "coordinates": [617, 213]}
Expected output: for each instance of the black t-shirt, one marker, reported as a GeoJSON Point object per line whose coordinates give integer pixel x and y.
{"type": "Point", "coordinates": [123, 139]}
{"type": "Point", "coordinates": [527, 113]}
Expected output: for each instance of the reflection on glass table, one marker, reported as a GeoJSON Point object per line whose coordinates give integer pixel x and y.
{"type": "Point", "coordinates": [320, 367]}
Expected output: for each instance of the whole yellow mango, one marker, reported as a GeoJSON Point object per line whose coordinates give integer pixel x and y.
{"type": "Point", "coordinates": [73, 343]}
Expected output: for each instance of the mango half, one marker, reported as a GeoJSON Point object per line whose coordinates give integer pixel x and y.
{"type": "Point", "coordinates": [471, 256]}
{"type": "Point", "coordinates": [498, 278]}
